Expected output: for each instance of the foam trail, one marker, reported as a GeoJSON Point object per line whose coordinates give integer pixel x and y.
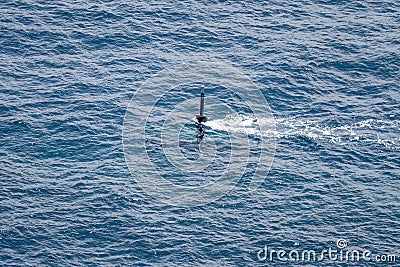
{"type": "Point", "coordinates": [383, 132]}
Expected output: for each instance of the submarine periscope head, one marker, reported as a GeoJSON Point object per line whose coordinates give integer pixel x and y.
{"type": "Point", "coordinates": [201, 118]}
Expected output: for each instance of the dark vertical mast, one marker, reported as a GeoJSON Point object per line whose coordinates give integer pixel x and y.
{"type": "Point", "coordinates": [202, 101]}
{"type": "Point", "coordinates": [201, 118]}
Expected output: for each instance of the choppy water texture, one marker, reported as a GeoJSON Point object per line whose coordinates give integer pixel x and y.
{"type": "Point", "coordinates": [68, 69]}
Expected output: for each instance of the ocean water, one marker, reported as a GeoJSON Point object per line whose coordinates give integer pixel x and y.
{"type": "Point", "coordinates": [69, 70]}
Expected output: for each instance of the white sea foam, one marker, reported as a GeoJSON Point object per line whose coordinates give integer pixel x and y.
{"type": "Point", "coordinates": [383, 132]}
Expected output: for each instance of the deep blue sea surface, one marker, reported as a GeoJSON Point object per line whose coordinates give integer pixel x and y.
{"type": "Point", "coordinates": [329, 71]}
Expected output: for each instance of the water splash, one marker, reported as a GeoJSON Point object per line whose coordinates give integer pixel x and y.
{"type": "Point", "coordinates": [384, 132]}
